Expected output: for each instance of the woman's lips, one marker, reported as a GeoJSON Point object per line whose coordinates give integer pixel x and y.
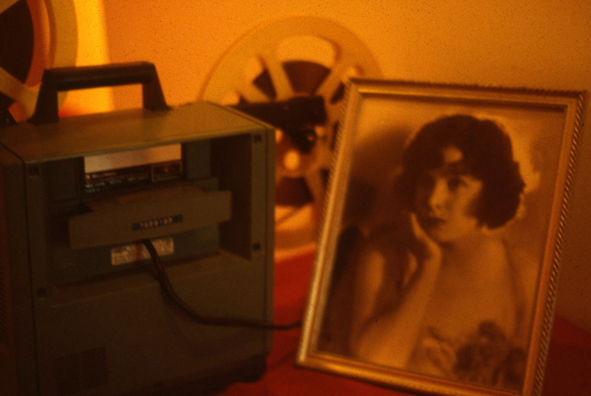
{"type": "Point", "coordinates": [434, 221]}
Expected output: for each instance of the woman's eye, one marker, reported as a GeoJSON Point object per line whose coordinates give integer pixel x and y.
{"type": "Point", "coordinates": [455, 182]}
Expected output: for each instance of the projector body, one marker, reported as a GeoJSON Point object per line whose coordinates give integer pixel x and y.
{"type": "Point", "coordinates": [81, 308]}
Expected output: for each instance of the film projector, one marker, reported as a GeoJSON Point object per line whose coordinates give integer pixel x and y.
{"type": "Point", "coordinates": [88, 203]}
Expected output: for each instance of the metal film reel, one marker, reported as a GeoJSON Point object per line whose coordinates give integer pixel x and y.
{"type": "Point", "coordinates": [35, 35]}
{"type": "Point", "coordinates": [290, 58]}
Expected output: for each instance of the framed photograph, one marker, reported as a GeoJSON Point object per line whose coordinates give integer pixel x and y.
{"type": "Point", "coordinates": [438, 259]}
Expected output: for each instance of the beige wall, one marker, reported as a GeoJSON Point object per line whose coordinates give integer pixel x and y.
{"type": "Point", "coordinates": [519, 43]}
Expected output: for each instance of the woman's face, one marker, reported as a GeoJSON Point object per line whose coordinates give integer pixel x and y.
{"type": "Point", "coordinates": [446, 199]}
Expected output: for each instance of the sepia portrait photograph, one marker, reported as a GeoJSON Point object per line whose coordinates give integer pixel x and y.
{"type": "Point", "coordinates": [440, 247]}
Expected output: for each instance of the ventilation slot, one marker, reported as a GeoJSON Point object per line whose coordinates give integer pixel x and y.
{"type": "Point", "coordinates": [82, 371]}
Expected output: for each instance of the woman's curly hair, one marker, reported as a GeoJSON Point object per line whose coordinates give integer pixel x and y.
{"type": "Point", "coordinates": [487, 155]}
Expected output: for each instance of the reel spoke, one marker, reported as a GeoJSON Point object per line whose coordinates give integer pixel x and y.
{"type": "Point", "coordinates": [18, 91]}
{"type": "Point", "coordinates": [252, 94]}
{"type": "Point", "coordinates": [278, 76]}
{"type": "Point", "coordinates": [316, 185]}
{"type": "Point", "coordinates": [6, 4]}
{"type": "Point", "coordinates": [337, 76]}
{"type": "Point", "coordinates": [325, 157]}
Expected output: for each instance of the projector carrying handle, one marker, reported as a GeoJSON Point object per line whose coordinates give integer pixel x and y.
{"type": "Point", "coordinates": [72, 78]}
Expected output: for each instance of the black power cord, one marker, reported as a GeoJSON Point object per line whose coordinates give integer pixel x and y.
{"type": "Point", "coordinates": [168, 290]}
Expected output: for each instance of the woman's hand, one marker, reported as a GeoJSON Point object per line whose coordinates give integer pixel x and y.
{"type": "Point", "coordinates": [386, 332]}
{"type": "Point", "coordinates": [425, 250]}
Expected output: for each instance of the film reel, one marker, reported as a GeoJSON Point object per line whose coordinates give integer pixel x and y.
{"type": "Point", "coordinates": [294, 57]}
{"type": "Point", "coordinates": [35, 35]}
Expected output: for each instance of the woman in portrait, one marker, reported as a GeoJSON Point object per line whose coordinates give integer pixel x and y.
{"type": "Point", "coordinates": [440, 292]}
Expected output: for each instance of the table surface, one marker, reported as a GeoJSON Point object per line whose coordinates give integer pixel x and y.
{"type": "Point", "coordinates": [568, 368]}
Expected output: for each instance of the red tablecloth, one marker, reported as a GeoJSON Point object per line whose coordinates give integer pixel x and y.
{"type": "Point", "coordinates": [568, 369]}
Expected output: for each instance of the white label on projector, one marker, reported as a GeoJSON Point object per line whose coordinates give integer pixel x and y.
{"type": "Point", "coordinates": [106, 172]}
{"type": "Point", "coordinates": [138, 252]}
{"type": "Point", "coordinates": [127, 159]}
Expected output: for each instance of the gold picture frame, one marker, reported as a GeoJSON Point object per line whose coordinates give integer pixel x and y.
{"type": "Point", "coordinates": [437, 263]}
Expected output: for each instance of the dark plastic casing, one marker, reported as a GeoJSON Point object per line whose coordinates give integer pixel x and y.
{"type": "Point", "coordinates": [73, 323]}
